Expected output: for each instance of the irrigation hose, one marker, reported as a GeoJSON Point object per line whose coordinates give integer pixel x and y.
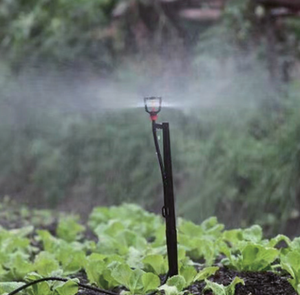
{"type": "Point", "coordinates": [79, 284]}
{"type": "Point", "coordinates": [158, 153]}
{"type": "Point", "coordinates": [62, 280]}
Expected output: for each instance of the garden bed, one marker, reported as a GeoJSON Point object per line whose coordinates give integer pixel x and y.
{"type": "Point", "coordinates": [122, 249]}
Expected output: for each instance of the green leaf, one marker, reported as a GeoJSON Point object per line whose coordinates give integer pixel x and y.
{"type": "Point", "coordinates": [23, 232]}
{"type": "Point", "coordinates": [107, 281]}
{"type": "Point", "coordinates": [212, 227]}
{"type": "Point", "coordinates": [252, 257]}
{"type": "Point", "coordinates": [150, 282]}
{"type": "Point", "coordinates": [99, 267]}
{"type": "Point", "coordinates": [134, 258]}
{"type": "Point", "coordinates": [110, 245]}
{"type": "Point", "coordinates": [160, 236]}
{"type": "Point", "coordinates": [295, 244]}
{"type": "Point", "coordinates": [113, 228]}
{"type": "Point", "coordinates": [233, 236]}
{"type": "Point", "coordinates": [135, 281]}
{"type": "Point", "coordinates": [189, 228]}
{"type": "Point", "coordinates": [69, 229]}
{"type": "Point", "coordinates": [181, 253]}
{"type": "Point", "coordinates": [32, 276]}
{"type": "Point", "coordinates": [169, 290]}
{"type": "Point", "coordinates": [178, 281]}
{"type": "Point", "coordinates": [50, 243]}
{"type": "Point", "coordinates": [130, 238]}
{"type": "Point", "coordinates": [253, 234]}
{"type": "Point", "coordinates": [3, 273]}
{"type": "Point", "coordinates": [189, 273]}
{"type": "Point", "coordinates": [19, 265]}
{"type": "Point", "coordinates": [216, 288]}
{"type": "Point", "coordinates": [40, 288]}
{"type": "Point", "coordinates": [230, 290]}
{"type": "Point", "coordinates": [121, 273]}
{"type": "Point", "coordinates": [279, 238]}
{"type": "Point", "coordinates": [131, 279]}
{"type": "Point", "coordinates": [72, 260]}
{"type": "Point", "coordinates": [157, 263]}
{"type": "Point", "coordinates": [206, 273]}
{"type": "Point", "coordinates": [99, 215]}
{"type": "Point", "coordinates": [7, 287]}
{"type": "Point", "coordinates": [198, 247]}
{"type": "Point", "coordinates": [45, 263]}
{"type": "Point", "coordinates": [94, 269]}
{"type": "Point", "coordinates": [219, 289]}
{"type": "Point", "coordinates": [12, 243]}
{"type": "Point", "coordinates": [68, 288]}
{"type": "Point", "coordinates": [291, 263]}
{"type": "Point", "coordinates": [256, 257]}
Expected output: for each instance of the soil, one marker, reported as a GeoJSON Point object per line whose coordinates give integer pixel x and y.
{"type": "Point", "coordinates": [256, 283]}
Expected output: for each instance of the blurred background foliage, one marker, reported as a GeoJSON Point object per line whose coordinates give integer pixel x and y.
{"type": "Point", "coordinates": [235, 136]}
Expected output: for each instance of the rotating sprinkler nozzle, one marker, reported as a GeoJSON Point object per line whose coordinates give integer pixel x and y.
{"type": "Point", "coordinates": [153, 107]}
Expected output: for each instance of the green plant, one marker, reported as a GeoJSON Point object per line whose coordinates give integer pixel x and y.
{"type": "Point", "coordinates": [219, 289]}
{"type": "Point", "coordinates": [247, 250]}
{"type": "Point", "coordinates": [137, 265]}
{"type": "Point", "coordinates": [69, 229]}
{"type": "Point", "coordinates": [291, 263]}
{"type": "Point", "coordinates": [136, 281]}
{"type": "Point", "coordinates": [206, 273]}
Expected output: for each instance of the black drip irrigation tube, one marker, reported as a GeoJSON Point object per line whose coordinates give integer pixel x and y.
{"type": "Point", "coordinates": [78, 284]}
{"type": "Point", "coordinates": [153, 107]}
{"type": "Point", "coordinates": [61, 280]}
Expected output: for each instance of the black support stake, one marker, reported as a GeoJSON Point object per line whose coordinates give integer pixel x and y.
{"type": "Point", "coordinates": [169, 207]}
{"type": "Point", "coordinates": [153, 107]}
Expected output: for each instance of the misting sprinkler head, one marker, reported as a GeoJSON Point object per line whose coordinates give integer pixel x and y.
{"type": "Point", "coordinates": [153, 106]}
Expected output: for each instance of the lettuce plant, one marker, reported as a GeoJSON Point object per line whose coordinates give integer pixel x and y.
{"type": "Point", "coordinates": [69, 229]}
{"type": "Point", "coordinates": [249, 257]}
{"type": "Point", "coordinates": [7, 287]}
{"type": "Point", "coordinates": [174, 285]}
{"type": "Point", "coordinates": [188, 274]}
{"type": "Point", "coordinates": [291, 263]}
{"type": "Point", "coordinates": [136, 281]}
{"type": "Point", "coordinates": [131, 253]}
{"type": "Point", "coordinates": [200, 241]}
{"type": "Point", "coordinates": [98, 268]}
{"type": "Point", "coordinates": [156, 263]}
{"type": "Point", "coordinates": [219, 289]}
{"type": "Point", "coordinates": [205, 273]}
{"type": "Point", "coordinates": [131, 216]}
{"type": "Point", "coordinates": [45, 263]}
{"type": "Point", "coordinates": [51, 288]}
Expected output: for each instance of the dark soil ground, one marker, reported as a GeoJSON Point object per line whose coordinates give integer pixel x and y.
{"type": "Point", "coordinates": [256, 283]}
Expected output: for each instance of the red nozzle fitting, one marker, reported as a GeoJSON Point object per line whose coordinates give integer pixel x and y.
{"type": "Point", "coordinates": [153, 106]}
{"type": "Point", "coordinates": [153, 117]}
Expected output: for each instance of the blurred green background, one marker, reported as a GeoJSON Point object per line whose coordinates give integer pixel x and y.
{"type": "Point", "coordinates": [73, 132]}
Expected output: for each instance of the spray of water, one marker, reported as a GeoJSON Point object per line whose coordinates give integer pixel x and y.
{"type": "Point", "coordinates": [209, 85]}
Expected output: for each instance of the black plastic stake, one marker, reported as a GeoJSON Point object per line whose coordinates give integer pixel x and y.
{"type": "Point", "coordinates": [153, 107]}
{"type": "Point", "coordinates": [170, 217]}
{"type": "Point", "coordinates": [168, 210]}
